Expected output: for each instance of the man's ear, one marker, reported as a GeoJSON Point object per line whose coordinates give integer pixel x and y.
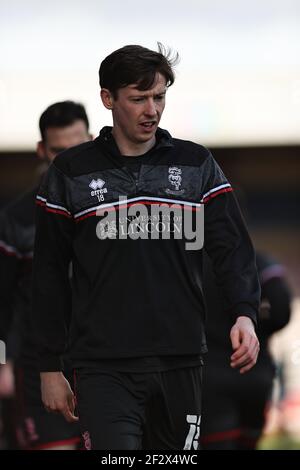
{"type": "Point", "coordinates": [40, 150]}
{"type": "Point", "coordinates": [107, 98]}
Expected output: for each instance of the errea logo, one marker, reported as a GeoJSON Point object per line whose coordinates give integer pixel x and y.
{"type": "Point", "coordinates": [98, 190]}
{"type": "Point", "coordinates": [97, 184]}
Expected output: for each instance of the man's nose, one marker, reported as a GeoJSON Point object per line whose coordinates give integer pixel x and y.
{"type": "Point", "coordinates": [150, 109]}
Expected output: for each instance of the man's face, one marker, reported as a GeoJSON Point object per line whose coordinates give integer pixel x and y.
{"type": "Point", "coordinates": [136, 113]}
{"type": "Point", "coordinates": [61, 138]}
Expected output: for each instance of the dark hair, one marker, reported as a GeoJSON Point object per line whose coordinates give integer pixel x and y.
{"type": "Point", "coordinates": [136, 64]}
{"type": "Point", "coordinates": [62, 114]}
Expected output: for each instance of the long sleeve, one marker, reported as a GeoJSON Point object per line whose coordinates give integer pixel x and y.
{"type": "Point", "coordinates": [228, 244]}
{"type": "Point", "coordinates": [51, 286]}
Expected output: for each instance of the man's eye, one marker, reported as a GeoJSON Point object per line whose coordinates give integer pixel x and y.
{"type": "Point", "coordinates": [137, 100]}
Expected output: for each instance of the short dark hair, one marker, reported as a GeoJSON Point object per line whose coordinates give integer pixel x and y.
{"type": "Point", "coordinates": [62, 114]}
{"type": "Point", "coordinates": [136, 64]}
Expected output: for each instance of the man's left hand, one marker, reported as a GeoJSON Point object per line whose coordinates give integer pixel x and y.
{"type": "Point", "coordinates": [244, 343]}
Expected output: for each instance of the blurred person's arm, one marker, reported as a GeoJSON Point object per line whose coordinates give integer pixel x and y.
{"type": "Point", "coordinates": [228, 244]}
{"type": "Point", "coordinates": [276, 296]}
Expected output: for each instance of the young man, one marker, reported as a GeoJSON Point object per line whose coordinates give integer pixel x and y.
{"type": "Point", "coordinates": [117, 208]}
{"type": "Point", "coordinates": [62, 125]}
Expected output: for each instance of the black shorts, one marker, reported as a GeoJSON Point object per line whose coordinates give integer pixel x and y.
{"type": "Point", "coordinates": [133, 411]}
{"type": "Point", "coordinates": [36, 427]}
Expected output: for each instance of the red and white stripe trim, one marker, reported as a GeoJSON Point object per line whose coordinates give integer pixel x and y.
{"type": "Point", "coordinates": [53, 207]}
{"type": "Point", "coordinates": [146, 200]}
{"type": "Point", "coordinates": [222, 188]}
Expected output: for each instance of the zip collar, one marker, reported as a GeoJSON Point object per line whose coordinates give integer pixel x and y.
{"type": "Point", "coordinates": [106, 139]}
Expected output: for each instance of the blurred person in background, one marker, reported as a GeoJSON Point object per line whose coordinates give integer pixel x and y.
{"type": "Point", "coordinates": [62, 125]}
{"type": "Point", "coordinates": [234, 406]}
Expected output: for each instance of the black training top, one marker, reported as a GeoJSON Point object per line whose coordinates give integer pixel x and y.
{"type": "Point", "coordinates": [137, 287]}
